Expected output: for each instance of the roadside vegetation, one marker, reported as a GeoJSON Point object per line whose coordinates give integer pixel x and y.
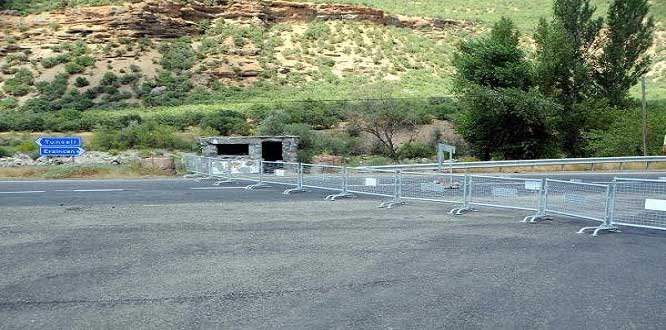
{"type": "Point", "coordinates": [83, 171]}
{"type": "Point", "coordinates": [359, 91]}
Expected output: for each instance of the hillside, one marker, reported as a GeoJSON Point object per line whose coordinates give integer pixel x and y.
{"type": "Point", "coordinates": [112, 53]}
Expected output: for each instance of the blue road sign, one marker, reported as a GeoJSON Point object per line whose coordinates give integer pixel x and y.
{"type": "Point", "coordinates": [61, 151]}
{"type": "Point", "coordinates": [64, 141]}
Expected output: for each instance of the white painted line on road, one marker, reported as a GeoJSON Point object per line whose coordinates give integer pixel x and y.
{"type": "Point", "coordinates": [216, 188]}
{"type": "Point", "coordinates": [97, 190]}
{"type": "Point", "coordinates": [23, 192]}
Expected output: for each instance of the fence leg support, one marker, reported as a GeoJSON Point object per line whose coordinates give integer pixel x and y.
{"type": "Point", "coordinates": [219, 182]}
{"type": "Point", "coordinates": [598, 229]}
{"type": "Point", "coordinates": [257, 186]}
{"type": "Point", "coordinates": [339, 195]}
{"type": "Point", "coordinates": [293, 190]}
{"type": "Point", "coordinates": [391, 204]}
{"type": "Point", "coordinates": [536, 218]}
{"type": "Point", "coordinates": [462, 210]}
{"type": "Point", "coordinates": [202, 178]}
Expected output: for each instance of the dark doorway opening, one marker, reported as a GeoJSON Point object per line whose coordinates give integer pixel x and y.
{"type": "Point", "coordinates": [233, 149]}
{"type": "Point", "coordinates": [271, 151]}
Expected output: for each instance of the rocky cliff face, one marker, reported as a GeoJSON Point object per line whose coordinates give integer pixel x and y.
{"type": "Point", "coordinates": [170, 19]}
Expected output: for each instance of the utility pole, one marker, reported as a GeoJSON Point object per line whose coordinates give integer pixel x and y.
{"type": "Point", "coordinates": [644, 105]}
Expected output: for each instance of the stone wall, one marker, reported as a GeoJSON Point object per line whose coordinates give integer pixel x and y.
{"type": "Point", "coordinates": [289, 146]}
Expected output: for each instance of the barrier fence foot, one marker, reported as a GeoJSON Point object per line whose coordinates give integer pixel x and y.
{"type": "Point", "coordinates": [390, 205]}
{"type": "Point", "coordinates": [219, 182]}
{"type": "Point", "coordinates": [536, 218]}
{"type": "Point", "coordinates": [199, 179]}
{"type": "Point", "coordinates": [294, 190]}
{"type": "Point", "coordinates": [189, 176]}
{"type": "Point", "coordinates": [461, 210]}
{"type": "Point", "coordinates": [598, 229]}
{"type": "Point", "coordinates": [257, 186]}
{"type": "Point", "coordinates": [340, 195]}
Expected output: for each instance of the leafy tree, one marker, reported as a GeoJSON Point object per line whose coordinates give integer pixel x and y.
{"type": "Point", "coordinates": [503, 115]}
{"type": "Point", "coordinates": [495, 61]}
{"type": "Point", "coordinates": [624, 60]}
{"type": "Point", "coordinates": [384, 119]}
{"type": "Point", "coordinates": [508, 123]}
{"type": "Point", "coordinates": [625, 135]}
{"type": "Point", "coordinates": [564, 49]}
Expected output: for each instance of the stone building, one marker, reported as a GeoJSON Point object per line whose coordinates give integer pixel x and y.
{"type": "Point", "coordinates": [269, 148]}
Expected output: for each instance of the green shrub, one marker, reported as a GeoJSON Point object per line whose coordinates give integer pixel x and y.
{"type": "Point", "coordinates": [20, 84]}
{"type": "Point", "coordinates": [177, 55]}
{"type": "Point", "coordinates": [226, 123]}
{"type": "Point", "coordinates": [49, 62]}
{"type": "Point", "coordinates": [81, 82]}
{"type": "Point", "coordinates": [84, 60]}
{"type": "Point", "coordinates": [142, 136]}
{"type": "Point", "coordinates": [625, 135]}
{"type": "Point", "coordinates": [73, 67]}
{"type": "Point", "coordinates": [4, 152]}
{"type": "Point", "coordinates": [129, 78]}
{"type": "Point", "coordinates": [109, 79]}
{"type": "Point", "coordinates": [415, 150]}
{"type": "Point", "coordinates": [316, 30]}
{"type": "Point", "coordinates": [54, 89]}
{"type": "Point", "coordinates": [8, 103]}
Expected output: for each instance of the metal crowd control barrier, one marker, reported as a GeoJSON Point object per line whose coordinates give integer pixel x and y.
{"type": "Point", "coordinates": [576, 199]}
{"type": "Point", "coordinates": [502, 192]}
{"type": "Point", "coordinates": [446, 188]}
{"type": "Point", "coordinates": [283, 173]}
{"type": "Point", "coordinates": [626, 202]}
{"type": "Point", "coordinates": [189, 163]}
{"type": "Point", "coordinates": [326, 177]}
{"type": "Point", "coordinates": [639, 203]}
{"type": "Point", "coordinates": [376, 183]}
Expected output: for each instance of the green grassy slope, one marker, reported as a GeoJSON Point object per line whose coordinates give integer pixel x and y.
{"type": "Point", "coordinates": [525, 13]}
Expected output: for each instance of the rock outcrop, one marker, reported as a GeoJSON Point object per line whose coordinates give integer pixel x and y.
{"type": "Point", "coordinates": [171, 19]}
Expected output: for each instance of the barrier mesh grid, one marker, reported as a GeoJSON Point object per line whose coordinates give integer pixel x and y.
{"type": "Point", "coordinates": [324, 177]}
{"type": "Point", "coordinates": [583, 200]}
{"type": "Point", "coordinates": [640, 203]}
{"type": "Point", "coordinates": [502, 192]}
{"type": "Point", "coordinates": [433, 187]}
{"type": "Point", "coordinates": [281, 173]}
{"type": "Point", "coordinates": [372, 182]}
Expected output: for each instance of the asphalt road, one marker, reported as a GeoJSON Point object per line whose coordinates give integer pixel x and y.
{"type": "Point", "coordinates": [133, 191]}
{"type": "Point", "coordinates": [168, 191]}
{"type": "Point", "coordinates": [303, 264]}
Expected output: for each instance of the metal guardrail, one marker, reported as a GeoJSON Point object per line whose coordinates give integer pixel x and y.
{"type": "Point", "coordinates": [625, 202]}
{"type": "Point", "coordinates": [522, 163]}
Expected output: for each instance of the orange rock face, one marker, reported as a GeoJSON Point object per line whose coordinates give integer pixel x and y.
{"type": "Point", "coordinates": [169, 19]}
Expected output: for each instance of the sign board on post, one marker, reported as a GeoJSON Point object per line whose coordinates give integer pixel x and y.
{"type": "Point", "coordinates": [67, 146]}
{"type": "Point", "coordinates": [441, 149]}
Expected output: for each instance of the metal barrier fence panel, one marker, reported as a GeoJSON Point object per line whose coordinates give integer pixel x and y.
{"type": "Point", "coordinates": [372, 182]}
{"type": "Point", "coordinates": [504, 192]}
{"type": "Point", "coordinates": [281, 173]}
{"type": "Point", "coordinates": [577, 199]}
{"type": "Point", "coordinates": [219, 168]}
{"type": "Point", "coordinates": [205, 166]}
{"type": "Point", "coordinates": [245, 169]}
{"type": "Point", "coordinates": [639, 203]}
{"type": "Point", "coordinates": [189, 163]}
{"type": "Point", "coordinates": [434, 187]}
{"type": "Point", "coordinates": [324, 177]}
